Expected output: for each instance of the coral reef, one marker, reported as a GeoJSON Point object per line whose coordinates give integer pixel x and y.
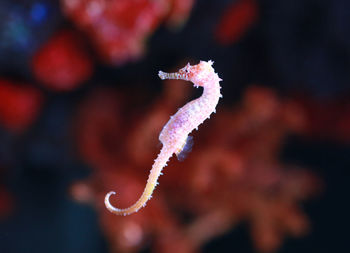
{"type": "Point", "coordinates": [232, 175]}
{"type": "Point", "coordinates": [20, 104]}
{"type": "Point", "coordinates": [236, 20]}
{"type": "Point", "coordinates": [119, 28]}
{"type": "Point", "coordinates": [62, 64]}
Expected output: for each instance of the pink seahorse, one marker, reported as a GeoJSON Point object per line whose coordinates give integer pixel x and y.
{"type": "Point", "coordinates": [174, 135]}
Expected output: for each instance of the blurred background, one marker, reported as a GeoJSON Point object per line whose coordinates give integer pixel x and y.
{"type": "Point", "coordinates": [81, 108]}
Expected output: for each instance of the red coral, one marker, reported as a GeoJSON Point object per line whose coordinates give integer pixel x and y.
{"type": "Point", "coordinates": [62, 64]}
{"type": "Point", "coordinates": [19, 105]}
{"type": "Point", "coordinates": [236, 20]}
{"type": "Point", "coordinates": [325, 118]}
{"type": "Point", "coordinates": [179, 12]}
{"type": "Point", "coordinates": [119, 28]}
{"type": "Point", "coordinates": [232, 175]}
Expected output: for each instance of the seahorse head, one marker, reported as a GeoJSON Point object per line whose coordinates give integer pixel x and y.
{"type": "Point", "coordinates": [198, 74]}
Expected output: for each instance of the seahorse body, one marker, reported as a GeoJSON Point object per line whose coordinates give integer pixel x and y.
{"type": "Point", "coordinates": [181, 124]}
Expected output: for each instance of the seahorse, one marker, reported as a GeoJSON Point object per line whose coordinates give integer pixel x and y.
{"type": "Point", "coordinates": [175, 134]}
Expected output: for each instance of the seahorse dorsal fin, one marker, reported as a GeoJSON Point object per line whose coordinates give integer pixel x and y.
{"type": "Point", "coordinates": [186, 149]}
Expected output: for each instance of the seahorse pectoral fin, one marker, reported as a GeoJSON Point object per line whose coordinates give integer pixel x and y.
{"type": "Point", "coordinates": [185, 150]}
